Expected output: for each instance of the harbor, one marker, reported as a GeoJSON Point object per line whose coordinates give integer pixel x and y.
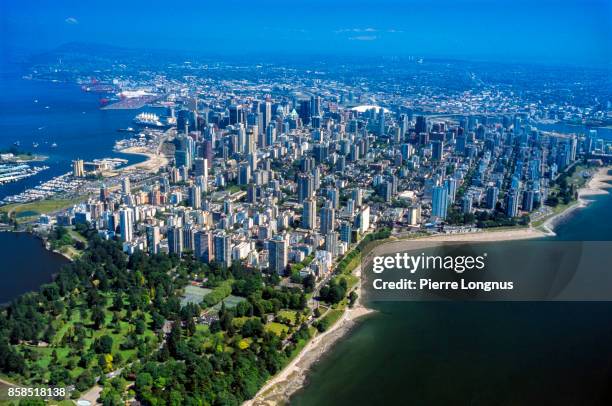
{"type": "Point", "coordinates": [16, 172]}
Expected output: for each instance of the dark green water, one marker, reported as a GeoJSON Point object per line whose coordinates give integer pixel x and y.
{"type": "Point", "coordinates": [477, 353]}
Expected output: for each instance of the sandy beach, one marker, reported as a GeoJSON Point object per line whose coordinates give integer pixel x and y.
{"type": "Point", "coordinates": [597, 185]}
{"type": "Point", "coordinates": [151, 165]}
{"type": "Point", "coordinates": [293, 376]}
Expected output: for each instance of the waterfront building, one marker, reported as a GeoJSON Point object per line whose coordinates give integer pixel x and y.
{"type": "Point", "coordinates": [346, 232]}
{"type": "Point", "coordinates": [512, 203]}
{"type": "Point", "coordinates": [439, 202]}
{"type": "Point", "coordinates": [78, 168]}
{"type": "Point", "coordinates": [491, 198]}
{"type": "Point", "coordinates": [466, 204]}
{"type": "Point", "coordinates": [363, 220]}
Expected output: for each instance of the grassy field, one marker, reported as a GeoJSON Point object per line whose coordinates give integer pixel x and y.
{"type": "Point", "coordinates": [276, 328]}
{"type": "Point", "coordinates": [230, 302]}
{"type": "Point", "coordinates": [35, 209]}
{"type": "Point", "coordinates": [289, 315]}
{"type": "Point", "coordinates": [194, 294]}
{"type": "Point", "coordinates": [333, 316]}
{"type": "Point", "coordinates": [60, 353]}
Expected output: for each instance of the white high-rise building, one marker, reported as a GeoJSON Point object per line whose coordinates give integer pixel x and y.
{"type": "Point", "coordinates": [126, 224]}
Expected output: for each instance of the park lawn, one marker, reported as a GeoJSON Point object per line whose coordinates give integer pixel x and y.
{"type": "Point", "coordinates": [290, 315]}
{"type": "Point", "coordinates": [202, 329]}
{"type": "Point", "coordinates": [194, 294]}
{"type": "Point", "coordinates": [230, 301]}
{"type": "Point", "coordinates": [45, 354]}
{"type": "Point", "coordinates": [39, 207]}
{"type": "Point", "coordinates": [118, 336]}
{"type": "Point", "coordinates": [77, 236]}
{"type": "Point", "coordinates": [351, 280]}
{"type": "Point", "coordinates": [70, 251]}
{"type": "Point", "coordinates": [577, 179]}
{"type": "Point", "coordinates": [276, 328]}
{"type": "Point", "coordinates": [332, 316]}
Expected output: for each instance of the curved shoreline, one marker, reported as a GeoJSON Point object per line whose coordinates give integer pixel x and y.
{"type": "Point", "coordinates": [597, 185]}
{"type": "Point", "coordinates": [293, 376]}
{"type": "Point", "coordinates": [283, 385]}
{"type": "Point", "coordinates": [152, 164]}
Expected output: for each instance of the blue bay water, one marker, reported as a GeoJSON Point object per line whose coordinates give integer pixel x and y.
{"type": "Point", "coordinates": [73, 120]}
{"type": "Point", "coordinates": [477, 353]}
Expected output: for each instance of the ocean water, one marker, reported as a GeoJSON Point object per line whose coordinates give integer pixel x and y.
{"type": "Point", "coordinates": [44, 112]}
{"type": "Point", "coordinates": [477, 353]}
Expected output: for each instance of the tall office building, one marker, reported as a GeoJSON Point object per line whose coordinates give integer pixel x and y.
{"type": "Point", "coordinates": [153, 239]}
{"type": "Point", "coordinates": [436, 150]}
{"type": "Point", "coordinates": [381, 122]}
{"type": "Point", "coordinates": [305, 187]}
{"type": "Point", "coordinates": [491, 198]}
{"type": "Point", "coordinates": [126, 187]}
{"type": "Point", "coordinates": [175, 240]}
{"type": "Point", "coordinates": [183, 153]}
{"type": "Point", "coordinates": [439, 202]}
{"type": "Point", "coordinates": [512, 203]}
{"type": "Point", "coordinates": [357, 196]}
{"type": "Point", "coordinates": [200, 167]}
{"type": "Point", "coordinates": [195, 197]}
{"type": "Point", "coordinates": [346, 232]}
{"type": "Point", "coordinates": [315, 105]}
{"type": "Point", "coordinates": [421, 125]}
{"type": "Point", "coordinates": [223, 249]}
{"type": "Point", "coordinates": [244, 174]}
{"type": "Point", "coordinates": [204, 248]}
{"type": "Point", "coordinates": [363, 219]}
{"type": "Point", "coordinates": [126, 223]}
{"type": "Point", "coordinates": [450, 184]}
{"type": "Point", "coordinates": [235, 114]}
{"type": "Point", "coordinates": [528, 200]}
{"type": "Point", "coordinates": [466, 204]}
{"type": "Point", "coordinates": [270, 134]}
{"type": "Point", "coordinates": [331, 243]}
{"type": "Point", "coordinates": [278, 249]}
{"type": "Point", "coordinates": [309, 215]}
{"type": "Point", "coordinates": [333, 194]}
{"type": "Point", "coordinates": [78, 169]}
{"type": "Point", "coordinates": [414, 215]}
{"type": "Point", "coordinates": [328, 218]}
{"type": "Point", "coordinates": [266, 111]}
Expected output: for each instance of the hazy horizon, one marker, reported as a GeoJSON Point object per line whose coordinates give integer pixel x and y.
{"type": "Point", "coordinates": [568, 31]}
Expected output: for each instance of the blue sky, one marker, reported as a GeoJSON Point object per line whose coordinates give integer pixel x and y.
{"type": "Point", "coordinates": [569, 31]}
